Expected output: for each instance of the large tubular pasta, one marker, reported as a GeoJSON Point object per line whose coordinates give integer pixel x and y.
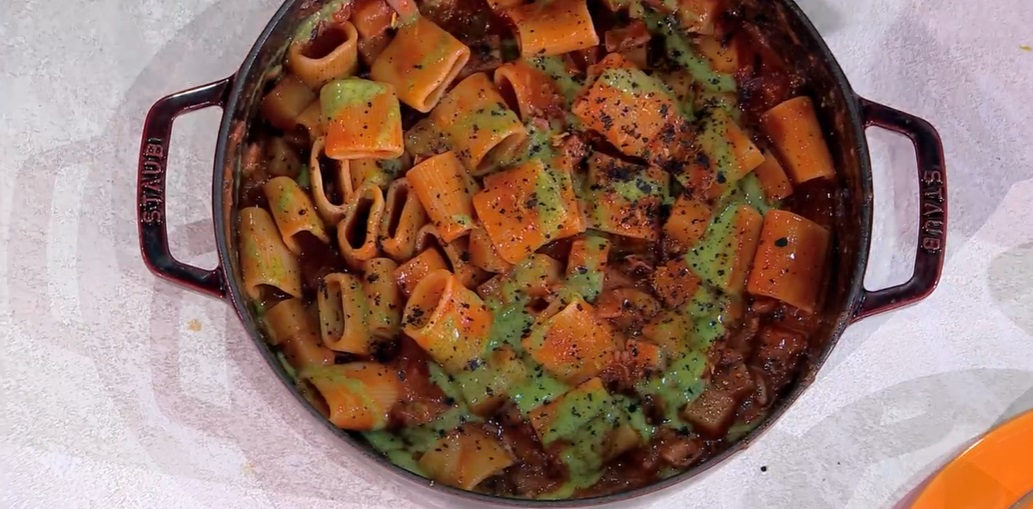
{"type": "Point", "coordinates": [362, 120]}
{"type": "Point", "coordinates": [790, 261]}
{"type": "Point", "coordinates": [698, 16]}
{"type": "Point", "coordinates": [357, 232]}
{"type": "Point", "coordinates": [331, 184]}
{"type": "Point", "coordinates": [444, 188]}
{"type": "Point", "coordinates": [773, 179]}
{"type": "Point", "coordinates": [357, 395]}
{"type": "Point", "coordinates": [462, 279]}
{"type": "Point", "coordinates": [311, 119]}
{"type": "Point", "coordinates": [487, 388]}
{"type": "Point", "coordinates": [332, 54]}
{"type": "Point", "coordinates": [536, 276]}
{"type": "Point", "coordinates": [371, 17]}
{"type": "Point", "coordinates": [568, 413]}
{"type": "Point", "coordinates": [626, 308]}
{"type": "Point", "coordinates": [635, 35]}
{"type": "Point", "coordinates": [726, 151]}
{"type": "Point", "coordinates": [421, 61]}
{"type": "Point", "coordinates": [410, 273]}
{"type": "Point", "coordinates": [674, 282]}
{"type": "Point", "coordinates": [687, 223]}
{"type": "Point", "coordinates": [377, 172]}
{"type": "Point", "coordinates": [796, 135]}
{"type": "Point", "coordinates": [292, 328]}
{"type": "Point", "coordinates": [586, 266]}
{"type": "Point", "coordinates": [723, 258]}
{"type": "Point", "coordinates": [465, 457]}
{"type": "Point", "coordinates": [383, 297]}
{"type": "Point", "coordinates": [723, 57]}
{"type": "Point", "coordinates": [628, 107]}
{"type": "Point", "coordinates": [344, 314]}
{"type": "Point", "coordinates": [534, 93]}
{"type": "Point", "coordinates": [403, 217]}
{"type": "Point", "coordinates": [553, 28]}
{"type": "Point", "coordinates": [521, 209]}
{"type": "Point", "coordinates": [283, 158]}
{"type": "Point", "coordinates": [625, 198]}
{"type": "Point", "coordinates": [447, 320]}
{"type": "Point", "coordinates": [286, 101]}
{"type": "Point", "coordinates": [483, 253]}
{"type": "Point", "coordinates": [424, 139]}
{"type": "Point", "coordinates": [293, 211]}
{"type": "Point", "coordinates": [456, 252]}
{"type": "Point", "coordinates": [265, 260]}
{"type": "Point", "coordinates": [483, 131]}
{"type": "Point", "coordinates": [570, 341]}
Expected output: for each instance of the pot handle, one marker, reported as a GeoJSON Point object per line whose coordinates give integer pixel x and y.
{"type": "Point", "coordinates": [932, 200]}
{"type": "Point", "coordinates": [150, 187]}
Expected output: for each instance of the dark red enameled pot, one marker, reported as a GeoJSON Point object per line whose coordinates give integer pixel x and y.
{"type": "Point", "coordinates": [844, 116]}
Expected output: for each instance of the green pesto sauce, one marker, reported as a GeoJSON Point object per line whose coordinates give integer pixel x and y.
{"type": "Point", "coordinates": [638, 187]}
{"type": "Point", "coordinates": [421, 438]}
{"type": "Point", "coordinates": [633, 82]}
{"type": "Point", "coordinates": [386, 169]}
{"type": "Point", "coordinates": [683, 380]}
{"type": "Point", "coordinates": [511, 320]}
{"type": "Point", "coordinates": [343, 93]}
{"type": "Point", "coordinates": [555, 68]}
{"type": "Point", "coordinates": [682, 53]}
{"type": "Point", "coordinates": [712, 100]}
{"type": "Point", "coordinates": [550, 206]}
{"type": "Point", "coordinates": [630, 412]}
{"type": "Point", "coordinates": [714, 255]}
{"type": "Point", "coordinates": [484, 383]}
{"type": "Point", "coordinates": [713, 140]}
{"type": "Point", "coordinates": [304, 177]}
{"type": "Point", "coordinates": [490, 119]}
{"type": "Point", "coordinates": [748, 191]}
{"type": "Point", "coordinates": [584, 454]}
{"type": "Point", "coordinates": [576, 409]}
{"type": "Point", "coordinates": [444, 381]}
{"type": "Point", "coordinates": [587, 281]}
{"type": "Point", "coordinates": [538, 389]}
{"type": "Point", "coordinates": [395, 449]}
{"type": "Point", "coordinates": [462, 219]}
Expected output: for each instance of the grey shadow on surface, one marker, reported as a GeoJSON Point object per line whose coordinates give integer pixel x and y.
{"type": "Point", "coordinates": [889, 424]}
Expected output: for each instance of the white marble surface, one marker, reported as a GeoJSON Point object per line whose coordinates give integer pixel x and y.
{"type": "Point", "coordinates": [118, 390]}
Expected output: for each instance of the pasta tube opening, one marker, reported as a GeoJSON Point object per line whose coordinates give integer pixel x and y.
{"type": "Point", "coordinates": [330, 183]}
{"type": "Point", "coordinates": [448, 320]}
{"type": "Point", "coordinates": [355, 396]}
{"type": "Point", "coordinates": [333, 53]}
{"type": "Point", "coordinates": [294, 214]}
{"type": "Point", "coordinates": [343, 314]}
{"type": "Point", "coordinates": [270, 270]}
{"type": "Point", "coordinates": [403, 216]}
{"type": "Point", "coordinates": [357, 233]}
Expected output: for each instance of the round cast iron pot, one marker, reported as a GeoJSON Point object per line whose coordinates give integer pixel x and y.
{"type": "Point", "coordinates": [844, 116]}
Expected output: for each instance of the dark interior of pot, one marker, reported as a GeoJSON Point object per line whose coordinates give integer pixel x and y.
{"type": "Point", "coordinates": [789, 33]}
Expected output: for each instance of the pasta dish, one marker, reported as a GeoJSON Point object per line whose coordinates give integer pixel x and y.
{"type": "Point", "coordinates": [554, 249]}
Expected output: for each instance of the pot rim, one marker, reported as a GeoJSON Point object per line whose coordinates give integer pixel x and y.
{"type": "Point", "coordinates": [853, 295]}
